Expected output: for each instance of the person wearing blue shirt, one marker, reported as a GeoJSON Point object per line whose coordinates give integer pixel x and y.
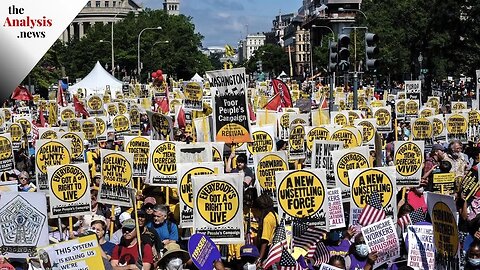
{"type": "Point", "coordinates": [166, 229]}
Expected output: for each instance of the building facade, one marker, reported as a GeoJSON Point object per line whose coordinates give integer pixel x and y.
{"type": "Point", "coordinates": [98, 11]}
{"type": "Point", "coordinates": [172, 7]}
{"type": "Point", "coordinates": [251, 43]}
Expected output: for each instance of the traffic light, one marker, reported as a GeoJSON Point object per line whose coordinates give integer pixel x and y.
{"type": "Point", "coordinates": [259, 66]}
{"type": "Point", "coordinates": [333, 56]}
{"type": "Point", "coordinates": [371, 51]}
{"type": "Point", "coordinates": [343, 52]}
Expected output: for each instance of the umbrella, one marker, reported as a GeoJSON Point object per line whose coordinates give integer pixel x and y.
{"type": "Point", "coordinates": [22, 93]}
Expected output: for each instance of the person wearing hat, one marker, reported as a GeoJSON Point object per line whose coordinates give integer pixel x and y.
{"type": "Point", "coordinates": [249, 255]}
{"type": "Point", "coordinates": [117, 235]}
{"type": "Point", "coordinates": [148, 205]}
{"type": "Point", "coordinates": [125, 255]}
{"type": "Point", "coordinates": [99, 226]}
{"type": "Point", "coordinates": [148, 235]}
{"type": "Point", "coordinates": [249, 178]}
{"type": "Point", "coordinates": [174, 258]}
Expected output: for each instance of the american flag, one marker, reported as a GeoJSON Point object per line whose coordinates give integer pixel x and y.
{"type": "Point", "coordinates": [305, 236]}
{"type": "Point", "coordinates": [287, 262]}
{"type": "Point", "coordinates": [278, 243]}
{"type": "Point", "coordinates": [411, 218]}
{"type": "Point", "coordinates": [321, 254]}
{"type": "Point", "coordinates": [373, 211]}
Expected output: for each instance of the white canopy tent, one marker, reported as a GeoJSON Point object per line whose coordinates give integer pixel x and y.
{"type": "Point", "coordinates": [196, 78]}
{"type": "Point", "coordinates": [96, 83]}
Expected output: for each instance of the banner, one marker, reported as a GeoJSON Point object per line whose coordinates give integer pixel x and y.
{"type": "Point", "coordinates": [50, 153]}
{"type": "Point", "coordinates": [365, 182]}
{"type": "Point", "coordinates": [117, 172]}
{"type": "Point", "coordinates": [193, 92]}
{"type": "Point", "coordinates": [78, 148]}
{"type": "Point", "coordinates": [421, 249]}
{"type": "Point", "coordinates": [230, 115]}
{"type": "Point", "coordinates": [296, 142]}
{"type": "Point", "coordinates": [322, 158]}
{"type": "Point", "coordinates": [346, 160]}
{"type": "Point", "coordinates": [443, 212]}
{"type": "Point", "coordinates": [185, 171]}
{"type": "Point", "coordinates": [382, 237]}
{"type": "Point", "coordinates": [413, 90]}
{"type": "Point", "coordinates": [218, 207]}
{"type": "Point", "coordinates": [408, 160]}
{"type": "Point", "coordinates": [162, 168]}
{"type": "Point", "coordinates": [7, 160]}
{"type": "Point", "coordinates": [267, 164]}
{"type": "Point", "coordinates": [193, 152]}
{"type": "Point", "coordinates": [302, 194]}
{"type": "Point", "coordinates": [24, 223]}
{"type": "Point", "coordinates": [69, 187]}
{"type": "Point", "coordinates": [139, 146]}
{"type": "Point", "coordinates": [336, 215]}
{"type": "Point", "coordinates": [80, 253]}
{"type": "Point", "coordinates": [444, 183]}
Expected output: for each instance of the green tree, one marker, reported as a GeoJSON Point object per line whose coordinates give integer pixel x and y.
{"type": "Point", "coordinates": [274, 60]}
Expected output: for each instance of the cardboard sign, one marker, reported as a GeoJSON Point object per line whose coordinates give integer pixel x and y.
{"type": "Point", "coordinates": [457, 127]}
{"type": "Point", "coordinates": [185, 171]}
{"type": "Point", "coordinates": [303, 194]}
{"type": "Point", "coordinates": [470, 184]}
{"type": "Point", "coordinates": [444, 183]}
{"type": "Point", "coordinates": [336, 215]}
{"type": "Point", "coordinates": [231, 120]}
{"type": "Point", "coordinates": [325, 266]}
{"type": "Point", "coordinates": [400, 108]}
{"type": "Point", "coordinates": [439, 128]}
{"type": "Point", "coordinates": [203, 251]}
{"type": "Point", "coordinates": [263, 140]}
{"type": "Point", "coordinates": [267, 164]}
{"type": "Point", "coordinates": [421, 248]}
{"type": "Point", "coordinates": [24, 223]}
{"type": "Point", "coordinates": [80, 253]}
{"type": "Point", "coordinates": [161, 126]}
{"type": "Point", "coordinates": [296, 142]}
{"type": "Point", "coordinates": [422, 128]}
{"type": "Point", "coordinates": [413, 89]}
{"type": "Point", "coordinates": [162, 168]}
{"type": "Point", "coordinates": [444, 219]}
{"type": "Point", "coordinates": [7, 161]}
{"type": "Point", "coordinates": [69, 187]}
{"type": "Point", "coordinates": [312, 134]}
{"type": "Point", "coordinates": [218, 207]}
{"type": "Point", "coordinates": [50, 153]}
{"type": "Point", "coordinates": [383, 118]}
{"type": "Point", "coordinates": [364, 182]}
{"type": "Point", "coordinates": [101, 127]}
{"type": "Point", "coordinates": [350, 136]}
{"type": "Point", "coordinates": [16, 131]}
{"type": "Point", "coordinates": [346, 160]}
{"type": "Point", "coordinates": [193, 92]}
{"type": "Point", "coordinates": [89, 129]}
{"type": "Point", "coordinates": [117, 173]}
{"type": "Point", "coordinates": [408, 159]}
{"type": "Point", "coordinates": [411, 109]}
{"type": "Point", "coordinates": [382, 237]}
{"type": "Point", "coordinates": [369, 128]}
{"type": "Point", "coordinates": [322, 158]}
{"type": "Point", "coordinates": [47, 133]}
{"type": "Point", "coordinates": [139, 146]}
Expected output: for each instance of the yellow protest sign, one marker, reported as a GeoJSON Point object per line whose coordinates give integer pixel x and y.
{"type": "Point", "coordinates": [50, 153]}
{"type": "Point", "coordinates": [384, 119]}
{"type": "Point", "coordinates": [439, 129]}
{"type": "Point", "coordinates": [101, 128]}
{"type": "Point", "coordinates": [411, 108]}
{"type": "Point", "coordinates": [16, 132]}
{"type": "Point", "coordinates": [262, 142]}
{"type": "Point", "coordinates": [457, 125]}
{"type": "Point", "coordinates": [47, 133]}
{"type": "Point", "coordinates": [74, 125]}
{"type": "Point", "coordinates": [121, 123]}
{"type": "Point", "coordinates": [347, 136]}
{"type": "Point", "coordinates": [340, 119]}
{"type": "Point", "coordinates": [77, 144]}
{"type": "Point", "coordinates": [193, 96]}
{"type": "Point", "coordinates": [122, 108]}
{"type": "Point", "coordinates": [112, 109]}
{"type": "Point", "coordinates": [296, 142]}
{"type": "Point", "coordinates": [445, 231]}
{"type": "Point", "coordinates": [95, 103]}
{"type": "Point", "coordinates": [349, 159]}
{"type": "Point", "coordinates": [266, 166]}
{"type": "Point", "coordinates": [163, 166]}
{"type": "Point", "coordinates": [408, 159]}
{"type": "Point", "coordinates": [444, 183]}
{"type": "Point", "coordinates": [67, 113]}
{"type": "Point", "coordinates": [422, 129]}
{"type": "Point", "coordinates": [6, 153]}
{"type": "Point", "coordinates": [368, 128]}
{"type": "Point", "coordinates": [139, 146]}
{"type": "Point", "coordinates": [426, 112]}
{"type": "Point", "coordinates": [316, 133]}
{"type": "Point", "coordinates": [117, 172]}
{"type": "Point", "coordinates": [89, 128]}
{"type": "Point", "coordinates": [400, 107]}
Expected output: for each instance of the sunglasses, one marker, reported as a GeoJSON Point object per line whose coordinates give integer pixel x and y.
{"type": "Point", "coordinates": [126, 230]}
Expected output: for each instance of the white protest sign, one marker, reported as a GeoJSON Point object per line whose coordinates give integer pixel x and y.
{"type": "Point", "coordinates": [382, 237]}
{"type": "Point", "coordinates": [336, 216]}
{"type": "Point", "coordinates": [421, 248]}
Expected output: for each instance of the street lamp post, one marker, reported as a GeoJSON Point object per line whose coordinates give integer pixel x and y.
{"type": "Point", "coordinates": [332, 78]}
{"type": "Point", "coordinates": [138, 47]}
{"type": "Point", "coordinates": [420, 60]}
{"type": "Point", "coordinates": [113, 62]}
{"type": "Point", "coordinates": [311, 44]}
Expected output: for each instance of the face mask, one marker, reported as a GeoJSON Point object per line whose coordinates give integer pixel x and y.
{"type": "Point", "coordinates": [406, 132]}
{"type": "Point", "coordinates": [474, 262]}
{"type": "Point", "coordinates": [175, 264]}
{"type": "Point", "coordinates": [362, 250]}
{"type": "Point", "coordinates": [249, 266]}
{"type": "Point", "coordinates": [420, 189]}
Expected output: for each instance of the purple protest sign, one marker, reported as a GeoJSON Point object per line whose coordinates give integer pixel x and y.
{"type": "Point", "coordinates": [203, 251]}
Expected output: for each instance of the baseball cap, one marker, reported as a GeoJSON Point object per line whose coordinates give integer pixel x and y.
{"type": "Point", "coordinates": [129, 223]}
{"type": "Point", "coordinates": [123, 217]}
{"type": "Point", "coordinates": [150, 200]}
{"type": "Point", "coordinates": [249, 251]}
{"type": "Point", "coordinates": [99, 218]}
{"type": "Point", "coordinates": [437, 146]}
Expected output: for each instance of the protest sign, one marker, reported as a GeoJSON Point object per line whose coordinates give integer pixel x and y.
{"type": "Point", "coordinates": [336, 216]}
{"type": "Point", "coordinates": [7, 112]}
{"type": "Point", "coordinates": [89, 129]}
{"type": "Point", "coordinates": [185, 171]}
{"type": "Point", "coordinates": [95, 105]}
{"type": "Point", "coordinates": [24, 223]}
{"type": "Point", "coordinates": [350, 136]}
{"type": "Point", "coordinates": [74, 125]}
{"type": "Point", "coordinates": [202, 129]}
{"type": "Point", "coordinates": [422, 128]}
{"type": "Point", "coordinates": [339, 118]}
{"type": "Point", "coordinates": [162, 167]}
{"type": "Point", "coordinates": [49, 153]}
{"type": "Point", "coordinates": [193, 152]}
{"type": "Point", "coordinates": [365, 182]}
{"type": "Point", "coordinates": [121, 124]}
{"type": "Point", "coordinates": [77, 254]}
{"type": "Point", "coordinates": [66, 113]}
{"type": "Point", "coordinates": [26, 123]}
{"type": "Point", "coordinates": [16, 132]}
{"type": "Point", "coordinates": [421, 248]}
{"type": "Point", "coordinates": [111, 108]}
{"type": "Point", "coordinates": [325, 266]}
{"type": "Point", "coordinates": [218, 207]}
{"type": "Point", "coordinates": [203, 251]}
{"type": "Point", "coordinates": [78, 148]}
{"type": "Point", "coordinates": [134, 117]}
{"type": "Point", "coordinates": [283, 125]}
{"type": "Point", "coordinates": [413, 90]}
{"type": "Point", "coordinates": [161, 126]}
{"type": "Point", "coordinates": [139, 146]}
{"type": "Point", "coordinates": [443, 212]}
{"type": "Point", "coordinates": [433, 102]}
{"type": "Point", "coordinates": [382, 237]}
{"type": "Point", "coordinates": [302, 194]}
{"type": "Point", "coordinates": [231, 123]}
{"type": "Point", "coordinates": [2, 122]}
{"type": "Point", "coordinates": [400, 108]}
{"type": "Point", "coordinates": [7, 161]}
{"type": "Point", "coordinates": [122, 107]}
{"type": "Point", "coordinates": [457, 127]}
{"type": "Point", "coordinates": [322, 158]}
{"type": "Point", "coordinates": [470, 184]}
{"type": "Point", "coordinates": [458, 106]}
{"type": "Point", "coordinates": [296, 142]}
{"type": "Point", "coordinates": [439, 128]}
{"type": "Point", "coordinates": [263, 140]}
{"type": "Point", "coordinates": [313, 133]}
{"type": "Point", "coordinates": [345, 160]}
{"type": "Point", "coordinates": [411, 109]}
{"type": "Point", "coordinates": [69, 189]}
{"type": "Point", "coordinates": [117, 172]}
{"type": "Point", "coordinates": [47, 133]}
{"type": "Point", "coordinates": [193, 92]}
{"type": "Point", "coordinates": [408, 159]}
{"type": "Point", "coordinates": [266, 117]}
{"type": "Point", "coordinates": [444, 183]}
{"type": "Point", "coordinates": [383, 118]}
{"type": "Point", "coordinates": [266, 166]}
{"type": "Point", "coordinates": [353, 115]}
{"type": "Point", "coordinates": [368, 128]}
{"type": "Point", "coordinates": [101, 127]}
{"type": "Point", "coordinates": [426, 112]}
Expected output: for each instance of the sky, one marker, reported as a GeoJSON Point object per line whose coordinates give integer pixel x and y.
{"type": "Point", "coordinates": [224, 22]}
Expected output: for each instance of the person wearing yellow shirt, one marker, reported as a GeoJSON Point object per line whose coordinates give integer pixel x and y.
{"type": "Point", "coordinates": [268, 221]}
